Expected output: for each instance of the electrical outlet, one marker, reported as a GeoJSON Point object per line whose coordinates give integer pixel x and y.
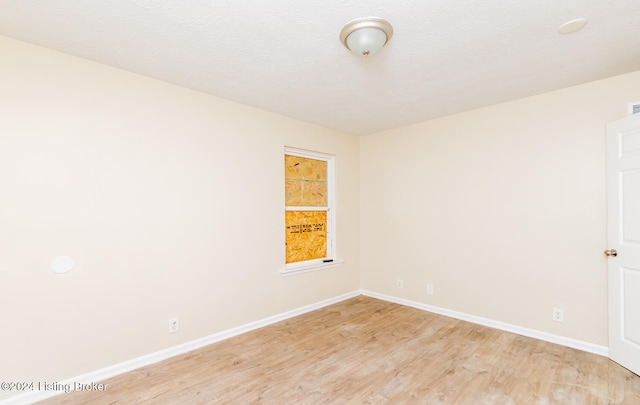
{"type": "Point", "coordinates": [558, 315]}
{"type": "Point", "coordinates": [174, 325]}
{"type": "Point", "coordinates": [399, 283]}
{"type": "Point", "coordinates": [429, 289]}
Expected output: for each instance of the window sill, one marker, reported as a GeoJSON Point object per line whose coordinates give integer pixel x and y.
{"type": "Point", "coordinates": [311, 267]}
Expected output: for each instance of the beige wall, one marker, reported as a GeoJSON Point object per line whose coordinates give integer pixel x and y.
{"type": "Point", "coordinates": [502, 209]}
{"type": "Point", "coordinates": [170, 201]}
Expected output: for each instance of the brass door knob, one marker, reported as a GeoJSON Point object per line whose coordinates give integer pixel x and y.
{"type": "Point", "coordinates": [611, 252]}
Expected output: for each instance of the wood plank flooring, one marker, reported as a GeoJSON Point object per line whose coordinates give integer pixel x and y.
{"type": "Point", "coordinates": [367, 351]}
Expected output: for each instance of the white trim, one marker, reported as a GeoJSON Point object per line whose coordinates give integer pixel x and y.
{"type": "Point", "coordinates": [152, 358]}
{"type": "Point", "coordinates": [288, 150]}
{"type": "Point", "coordinates": [289, 271]}
{"type": "Point", "coordinates": [126, 366]}
{"type": "Point", "coordinates": [305, 208]}
{"type": "Point", "coordinates": [536, 334]}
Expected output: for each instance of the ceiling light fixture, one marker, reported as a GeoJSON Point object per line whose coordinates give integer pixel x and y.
{"type": "Point", "coordinates": [366, 36]}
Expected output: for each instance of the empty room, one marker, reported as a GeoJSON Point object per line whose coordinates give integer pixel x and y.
{"type": "Point", "coordinates": [336, 202]}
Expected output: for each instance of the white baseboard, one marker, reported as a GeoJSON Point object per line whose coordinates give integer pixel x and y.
{"type": "Point", "coordinates": [120, 368]}
{"type": "Point", "coordinates": [129, 365]}
{"type": "Point", "coordinates": [547, 337]}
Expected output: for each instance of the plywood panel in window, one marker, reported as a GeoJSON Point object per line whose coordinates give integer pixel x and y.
{"type": "Point", "coordinates": [305, 182]}
{"type": "Point", "coordinates": [293, 193]}
{"type": "Point", "coordinates": [306, 235]}
{"type": "Point", "coordinates": [302, 168]}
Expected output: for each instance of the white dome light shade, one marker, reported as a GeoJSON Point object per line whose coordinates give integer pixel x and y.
{"type": "Point", "coordinates": [366, 36]}
{"type": "Point", "coordinates": [366, 41]}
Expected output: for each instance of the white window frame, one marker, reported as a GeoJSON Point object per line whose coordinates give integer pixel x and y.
{"type": "Point", "coordinates": [330, 260]}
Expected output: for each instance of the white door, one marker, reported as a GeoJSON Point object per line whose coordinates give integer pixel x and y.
{"type": "Point", "coordinates": [623, 228]}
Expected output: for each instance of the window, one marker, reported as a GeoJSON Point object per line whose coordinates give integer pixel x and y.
{"type": "Point", "coordinates": [309, 211]}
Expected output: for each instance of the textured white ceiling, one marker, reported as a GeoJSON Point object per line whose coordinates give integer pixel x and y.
{"type": "Point", "coordinates": [285, 55]}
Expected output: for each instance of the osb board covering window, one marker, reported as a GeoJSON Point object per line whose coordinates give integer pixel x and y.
{"type": "Point", "coordinates": [306, 230]}
{"type": "Point", "coordinates": [306, 237]}
{"type": "Point", "coordinates": [305, 182]}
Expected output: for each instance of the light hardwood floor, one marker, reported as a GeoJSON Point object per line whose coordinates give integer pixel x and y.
{"type": "Point", "coordinates": [367, 351]}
